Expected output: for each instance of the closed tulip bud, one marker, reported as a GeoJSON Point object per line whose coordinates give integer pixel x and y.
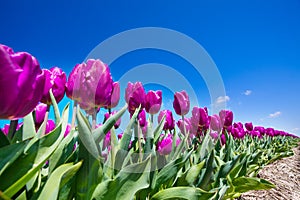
{"type": "Point", "coordinates": [50, 126]}
{"type": "Point", "coordinates": [169, 120]}
{"type": "Point", "coordinates": [199, 117]}
{"type": "Point", "coordinates": [21, 83]}
{"type": "Point", "coordinates": [142, 118]}
{"type": "Point", "coordinates": [6, 127]}
{"type": "Point", "coordinates": [56, 80]}
{"type": "Point", "coordinates": [115, 96]}
{"type": "Point", "coordinates": [181, 103]}
{"type": "Point", "coordinates": [135, 96]}
{"type": "Point", "coordinates": [215, 123]}
{"type": "Point", "coordinates": [153, 101]}
{"type": "Point", "coordinates": [249, 126]}
{"type": "Point", "coordinates": [214, 135]}
{"type": "Point", "coordinates": [226, 117]}
{"type": "Point", "coordinates": [40, 112]}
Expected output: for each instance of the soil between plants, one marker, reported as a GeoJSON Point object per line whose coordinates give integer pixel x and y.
{"type": "Point", "coordinates": [285, 174]}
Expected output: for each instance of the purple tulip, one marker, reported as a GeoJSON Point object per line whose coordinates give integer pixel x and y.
{"type": "Point", "coordinates": [169, 122]}
{"type": "Point", "coordinates": [187, 124]}
{"type": "Point", "coordinates": [223, 139]}
{"type": "Point", "coordinates": [142, 118]}
{"type": "Point", "coordinates": [117, 123]}
{"type": "Point", "coordinates": [106, 142]}
{"type": "Point", "coordinates": [21, 83]}
{"type": "Point", "coordinates": [135, 96]}
{"type": "Point", "coordinates": [5, 129]}
{"type": "Point", "coordinates": [40, 112]}
{"type": "Point", "coordinates": [115, 96]}
{"type": "Point", "coordinates": [181, 103]}
{"type": "Point", "coordinates": [56, 80]}
{"type": "Point", "coordinates": [215, 123]}
{"type": "Point", "coordinates": [214, 135]}
{"type": "Point", "coordinates": [199, 117]}
{"type": "Point", "coordinates": [260, 129]}
{"type": "Point", "coordinates": [226, 117]}
{"type": "Point", "coordinates": [153, 101]}
{"type": "Point", "coordinates": [164, 147]}
{"type": "Point", "coordinates": [50, 126]}
{"type": "Point", "coordinates": [90, 84]}
{"type": "Point", "coordinates": [249, 126]}
{"type": "Point", "coordinates": [270, 132]}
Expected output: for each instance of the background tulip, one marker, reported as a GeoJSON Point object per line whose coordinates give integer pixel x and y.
{"type": "Point", "coordinates": [181, 103]}
{"type": "Point", "coordinates": [50, 126]}
{"type": "Point", "coordinates": [249, 126]}
{"type": "Point", "coordinates": [115, 96]}
{"type": "Point", "coordinates": [199, 117]}
{"type": "Point", "coordinates": [187, 124]}
{"type": "Point", "coordinates": [169, 122]}
{"type": "Point", "coordinates": [226, 117]}
{"type": "Point", "coordinates": [56, 80]}
{"type": "Point", "coordinates": [40, 112]}
{"type": "Point", "coordinates": [5, 129]}
{"type": "Point", "coordinates": [21, 83]}
{"type": "Point", "coordinates": [164, 147]}
{"type": "Point", "coordinates": [153, 101]}
{"type": "Point", "coordinates": [215, 123]}
{"type": "Point", "coordinates": [135, 96]}
{"type": "Point", "coordinates": [142, 118]}
{"type": "Point", "coordinates": [73, 84]}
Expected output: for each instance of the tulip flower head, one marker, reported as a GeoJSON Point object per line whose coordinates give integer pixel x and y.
{"type": "Point", "coordinates": [56, 80]}
{"type": "Point", "coordinates": [249, 126]}
{"type": "Point", "coordinates": [117, 123]}
{"type": "Point", "coordinates": [135, 96]}
{"type": "Point", "coordinates": [40, 112]}
{"type": "Point", "coordinates": [21, 83]}
{"type": "Point", "coordinates": [226, 117]}
{"type": "Point", "coordinates": [187, 124]}
{"type": "Point", "coordinates": [153, 101]}
{"type": "Point", "coordinates": [169, 120]}
{"type": "Point", "coordinates": [215, 123]}
{"type": "Point", "coordinates": [164, 147]}
{"type": "Point", "coordinates": [115, 96]}
{"type": "Point", "coordinates": [181, 103]}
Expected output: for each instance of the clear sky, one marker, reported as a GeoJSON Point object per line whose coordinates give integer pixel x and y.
{"type": "Point", "coordinates": [255, 45]}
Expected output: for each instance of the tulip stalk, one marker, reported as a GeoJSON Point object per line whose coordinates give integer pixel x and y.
{"type": "Point", "coordinates": [74, 115]}
{"type": "Point", "coordinates": [12, 128]}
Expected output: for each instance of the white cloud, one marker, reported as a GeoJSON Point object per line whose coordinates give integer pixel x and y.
{"type": "Point", "coordinates": [274, 115]}
{"type": "Point", "coordinates": [247, 92]}
{"type": "Point", "coordinates": [222, 99]}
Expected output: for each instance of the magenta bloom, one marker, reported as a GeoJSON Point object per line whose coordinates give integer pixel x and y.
{"type": "Point", "coordinates": [215, 123]}
{"type": "Point", "coordinates": [226, 117]}
{"type": "Point", "coordinates": [214, 135]}
{"type": "Point", "coordinates": [68, 129]}
{"type": "Point", "coordinates": [187, 123]}
{"type": "Point", "coordinates": [115, 96]}
{"type": "Point", "coordinates": [170, 122]}
{"type": "Point", "coordinates": [270, 132]}
{"type": "Point", "coordinates": [153, 101]}
{"type": "Point", "coordinates": [142, 118]}
{"type": "Point", "coordinates": [90, 84]}
{"type": "Point", "coordinates": [56, 80]}
{"type": "Point", "coordinates": [50, 126]}
{"type": "Point", "coordinates": [117, 123]}
{"type": "Point", "coordinates": [164, 147]}
{"type": "Point", "coordinates": [223, 139]}
{"type": "Point", "coordinates": [249, 126]}
{"type": "Point", "coordinates": [40, 111]}
{"type": "Point", "coordinates": [21, 83]}
{"type": "Point", "coordinates": [5, 129]}
{"type": "Point", "coordinates": [106, 142]}
{"type": "Point", "coordinates": [135, 96]}
{"type": "Point", "coordinates": [181, 103]}
{"type": "Point", "coordinates": [199, 117]}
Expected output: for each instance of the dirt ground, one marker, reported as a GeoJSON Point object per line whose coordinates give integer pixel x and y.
{"type": "Point", "coordinates": [285, 174]}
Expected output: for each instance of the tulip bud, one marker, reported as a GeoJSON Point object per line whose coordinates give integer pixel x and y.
{"type": "Point", "coordinates": [181, 103]}
{"type": "Point", "coordinates": [169, 122]}
{"type": "Point", "coordinates": [56, 80]}
{"type": "Point", "coordinates": [164, 147]}
{"type": "Point", "coordinates": [226, 117]}
{"type": "Point", "coordinates": [135, 96]}
{"type": "Point", "coordinates": [40, 112]}
{"type": "Point", "coordinates": [215, 123]}
{"type": "Point", "coordinates": [142, 118]}
{"type": "Point", "coordinates": [153, 101]}
{"type": "Point", "coordinates": [187, 124]}
{"type": "Point", "coordinates": [249, 126]}
{"type": "Point", "coordinates": [115, 96]}
{"type": "Point", "coordinates": [199, 117]}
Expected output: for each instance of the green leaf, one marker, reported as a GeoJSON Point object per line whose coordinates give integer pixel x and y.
{"type": "Point", "coordinates": [85, 135]}
{"type": "Point", "coordinates": [89, 175]}
{"type": "Point", "coordinates": [127, 134]}
{"type": "Point", "coordinates": [3, 139]}
{"type": "Point", "coordinates": [54, 182]}
{"type": "Point", "coordinates": [204, 182]}
{"type": "Point", "coordinates": [170, 171]}
{"type": "Point", "coordinates": [28, 127]}
{"type": "Point", "coordinates": [191, 175]}
{"type": "Point", "coordinates": [157, 131]}
{"type": "Point", "coordinates": [28, 163]}
{"type": "Point", "coordinates": [55, 108]}
{"type": "Point", "coordinates": [188, 193]}
{"type": "Point", "coordinates": [9, 154]}
{"type": "Point", "coordinates": [126, 184]}
{"type": "Point", "coordinates": [99, 133]}
{"type": "Point", "coordinates": [244, 184]}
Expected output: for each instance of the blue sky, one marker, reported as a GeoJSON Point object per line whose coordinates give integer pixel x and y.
{"type": "Point", "coordinates": [255, 45]}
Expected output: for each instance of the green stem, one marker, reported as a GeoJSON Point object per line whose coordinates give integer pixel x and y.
{"type": "Point", "coordinates": [12, 128]}
{"type": "Point", "coordinates": [74, 115]}
{"type": "Point", "coordinates": [94, 118]}
{"type": "Point", "coordinates": [46, 120]}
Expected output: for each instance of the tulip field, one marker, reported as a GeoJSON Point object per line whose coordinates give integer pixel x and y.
{"type": "Point", "coordinates": [200, 156]}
